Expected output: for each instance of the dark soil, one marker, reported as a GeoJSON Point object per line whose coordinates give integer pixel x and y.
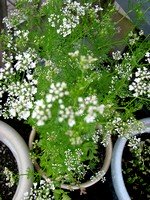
{"type": "Point", "coordinates": [138, 188]}
{"type": "Point", "coordinates": [7, 160]}
{"type": "Point", "coordinates": [99, 191]}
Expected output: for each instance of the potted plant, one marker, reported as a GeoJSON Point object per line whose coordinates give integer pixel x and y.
{"type": "Point", "coordinates": [139, 161]}
{"type": "Point", "coordinates": [62, 77]}
{"type": "Point", "coordinates": [20, 151]}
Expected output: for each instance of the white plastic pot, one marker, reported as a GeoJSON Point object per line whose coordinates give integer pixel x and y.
{"type": "Point", "coordinates": [21, 153]}
{"type": "Point", "coordinates": [116, 163]}
{"type": "Point", "coordinates": [86, 184]}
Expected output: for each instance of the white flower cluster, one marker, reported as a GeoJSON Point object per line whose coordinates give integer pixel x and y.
{"type": "Point", "coordinates": [133, 38]}
{"type": "Point", "coordinates": [147, 55]}
{"type": "Point", "coordinates": [93, 108]}
{"type": "Point", "coordinates": [123, 70]}
{"type": "Point", "coordinates": [138, 147]}
{"type": "Point", "coordinates": [86, 62]}
{"type": "Point", "coordinates": [41, 112]}
{"type": "Point", "coordinates": [10, 22]}
{"type": "Point", "coordinates": [21, 34]}
{"type": "Point", "coordinates": [99, 175]}
{"type": "Point", "coordinates": [25, 62]}
{"type": "Point", "coordinates": [56, 92]}
{"type": "Point", "coordinates": [7, 23]}
{"type": "Point", "coordinates": [42, 107]}
{"type": "Point", "coordinates": [20, 38]}
{"type": "Point", "coordinates": [117, 55]}
{"type": "Point", "coordinates": [15, 38]}
{"type": "Point", "coordinates": [10, 43]}
{"type": "Point", "coordinates": [74, 162]}
{"type": "Point", "coordinates": [44, 3]}
{"type": "Point", "coordinates": [140, 86]}
{"type": "Point", "coordinates": [70, 20]}
{"type": "Point", "coordinates": [106, 136]}
{"type": "Point", "coordinates": [70, 16]}
{"type": "Point", "coordinates": [74, 139]}
{"type": "Point", "coordinates": [20, 99]}
{"type": "Point", "coordinates": [96, 136]}
{"type": "Point", "coordinates": [134, 142]}
{"type": "Point", "coordinates": [9, 177]}
{"type": "Point", "coordinates": [126, 128]}
{"type": "Point", "coordinates": [6, 70]}
{"type": "Point", "coordinates": [118, 125]}
{"type": "Point", "coordinates": [67, 113]}
{"type": "Point", "coordinates": [87, 106]}
{"type": "Point", "coordinates": [20, 94]}
{"type": "Point", "coordinates": [41, 191]}
{"type": "Point", "coordinates": [74, 54]}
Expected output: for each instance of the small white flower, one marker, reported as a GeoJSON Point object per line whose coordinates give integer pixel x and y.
{"type": "Point", "coordinates": [116, 55]}
{"type": "Point", "coordinates": [147, 54]}
{"type": "Point", "coordinates": [49, 98]}
{"type": "Point", "coordinates": [40, 122]}
{"type": "Point", "coordinates": [40, 103]}
{"type": "Point", "coordinates": [141, 32]}
{"type": "Point", "coordinates": [42, 182]}
{"type": "Point", "coordinates": [71, 122]}
{"type": "Point", "coordinates": [7, 65]}
{"type": "Point", "coordinates": [101, 108]}
{"type": "Point", "coordinates": [12, 112]}
{"type": "Point", "coordinates": [60, 119]}
{"type": "Point", "coordinates": [80, 99]}
{"type": "Point", "coordinates": [131, 87]}
{"type": "Point", "coordinates": [29, 76]}
{"type": "Point", "coordinates": [89, 118]}
{"type": "Point", "coordinates": [137, 80]}
{"type": "Point", "coordinates": [25, 114]}
{"type": "Point", "coordinates": [18, 57]}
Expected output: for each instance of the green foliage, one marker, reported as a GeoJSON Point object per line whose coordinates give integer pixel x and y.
{"type": "Point", "coordinates": [62, 78]}
{"type": "Point", "coordinates": [136, 169]}
{"type": "Point", "coordinates": [61, 195]}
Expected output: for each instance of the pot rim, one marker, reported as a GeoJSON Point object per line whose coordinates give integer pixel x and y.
{"type": "Point", "coordinates": [82, 186]}
{"type": "Point", "coordinates": [116, 162]}
{"type": "Point", "coordinates": [11, 138]}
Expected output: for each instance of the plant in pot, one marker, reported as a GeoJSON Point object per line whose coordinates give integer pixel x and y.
{"type": "Point", "coordinates": [15, 164]}
{"type": "Point", "coordinates": [136, 170]}
{"type": "Point", "coordinates": [130, 162]}
{"type": "Point", "coordinates": [60, 77]}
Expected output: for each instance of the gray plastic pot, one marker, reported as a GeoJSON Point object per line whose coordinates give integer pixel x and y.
{"type": "Point", "coordinates": [21, 153]}
{"type": "Point", "coordinates": [128, 5]}
{"type": "Point", "coordinates": [116, 163]}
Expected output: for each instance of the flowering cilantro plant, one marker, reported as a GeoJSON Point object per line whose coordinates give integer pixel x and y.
{"type": "Point", "coordinates": [60, 75]}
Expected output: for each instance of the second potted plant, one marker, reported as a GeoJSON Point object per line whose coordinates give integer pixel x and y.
{"type": "Point", "coordinates": [116, 165]}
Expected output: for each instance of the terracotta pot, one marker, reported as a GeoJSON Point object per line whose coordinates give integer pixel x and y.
{"type": "Point", "coordinates": [82, 186]}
